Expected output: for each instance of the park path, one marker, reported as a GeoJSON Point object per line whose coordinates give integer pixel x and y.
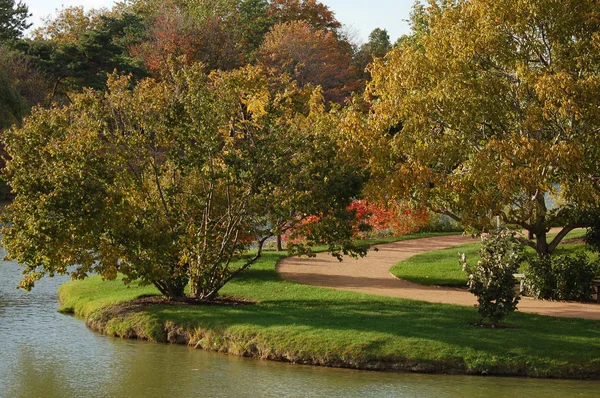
{"type": "Point", "coordinates": [371, 275]}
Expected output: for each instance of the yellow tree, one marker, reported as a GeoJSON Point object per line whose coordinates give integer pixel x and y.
{"type": "Point", "coordinates": [491, 109]}
{"type": "Point", "coordinates": [173, 181]}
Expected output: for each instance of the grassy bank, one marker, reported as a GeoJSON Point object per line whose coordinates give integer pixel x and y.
{"type": "Point", "coordinates": [304, 324]}
{"type": "Point", "coordinates": [441, 267]}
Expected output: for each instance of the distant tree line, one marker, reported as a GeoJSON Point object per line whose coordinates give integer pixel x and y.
{"type": "Point", "coordinates": [76, 49]}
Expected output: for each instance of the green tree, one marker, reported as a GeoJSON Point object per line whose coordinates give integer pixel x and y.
{"type": "Point", "coordinates": [172, 182]}
{"type": "Point", "coordinates": [379, 43]}
{"type": "Point", "coordinates": [377, 46]}
{"type": "Point", "coordinates": [255, 22]}
{"type": "Point", "coordinates": [13, 20]}
{"type": "Point", "coordinates": [12, 105]}
{"type": "Point", "coordinates": [78, 49]}
{"type": "Point", "coordinates": [491, 110]}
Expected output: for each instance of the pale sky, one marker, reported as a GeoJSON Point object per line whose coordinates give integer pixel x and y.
{"type": "Point", "coordinates": [360, 15]}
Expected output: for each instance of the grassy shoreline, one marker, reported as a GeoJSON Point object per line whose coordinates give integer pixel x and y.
{"type": "Point", "coordinates": [318, 326]}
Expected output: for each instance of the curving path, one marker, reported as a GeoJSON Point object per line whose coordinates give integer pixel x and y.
{"type": "Point", "coordinates": [371, 275]}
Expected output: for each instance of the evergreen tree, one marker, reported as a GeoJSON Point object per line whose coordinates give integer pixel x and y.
{"type": "Point", "coordinates": [13, 20]}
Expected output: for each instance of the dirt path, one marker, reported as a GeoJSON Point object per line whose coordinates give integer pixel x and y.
{"type": "Point", "coordinates": [371, 275]}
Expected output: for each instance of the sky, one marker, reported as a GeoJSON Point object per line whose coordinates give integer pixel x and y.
{"type": "Point", "coordinates": [360, 16]}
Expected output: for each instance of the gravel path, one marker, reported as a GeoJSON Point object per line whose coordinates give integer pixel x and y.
{"type": "Point", "coordinates": [371, 275]}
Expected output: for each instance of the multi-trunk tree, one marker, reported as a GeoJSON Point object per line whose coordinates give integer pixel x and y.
{"type": "Point", "coordinates": [174, 181]}
{"type": "Point", "coordinates": [491, 109]}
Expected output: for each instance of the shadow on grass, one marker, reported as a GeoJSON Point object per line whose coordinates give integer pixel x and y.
{"type": "Point", "coordinates": [397, 320]}
{"type": "Point", "coordinates": [315, 321]}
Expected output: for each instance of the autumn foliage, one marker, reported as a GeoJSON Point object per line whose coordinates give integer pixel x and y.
{"type": "Point", "coordinates": [373, 219]}
{"type": "Point", "coordinates": [310, 56]}
{"type": "Point", "coordinates": [490, 107]}
{"type": "Point", "coordinates": [392, 219]}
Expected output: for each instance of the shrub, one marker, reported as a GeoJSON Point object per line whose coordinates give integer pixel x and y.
{"type": "Point", "coordinates": [574, 276]}
{"type": "Point", "coordinates": [592, 237]}
{"type": "Point", "coordinates": [540, 281]}
{"type": "Point", "coordinates": [562, 277]}
{"type": "Point", "coordinates": [383, 219]}
{"type": "Point", "coordinates": [491, 279]}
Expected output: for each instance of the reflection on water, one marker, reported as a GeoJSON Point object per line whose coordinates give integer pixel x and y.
{"type": "Point", "coordinates": [47, 354]}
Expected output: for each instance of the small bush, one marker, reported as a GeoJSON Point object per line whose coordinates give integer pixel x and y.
{"type": "Point", "coordinates": [592, 237]}
{"type": "Point", "coordinates": [562, 277]}
{"type": "Point", "coordinates": [540, 281]}
{"type": "Point", "coordinates": [574, 276]}
{"type": "Point", "coordinates": [491, 279]}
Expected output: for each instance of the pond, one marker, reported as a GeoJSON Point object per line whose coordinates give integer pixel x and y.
{"type": "Point", "coordinates": [47, 354]}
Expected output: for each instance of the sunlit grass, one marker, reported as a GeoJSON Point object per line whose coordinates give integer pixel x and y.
{"type": "Point", "coordinates": [322, 326]}
{"type": "Point", "coordinates": [441, 267]}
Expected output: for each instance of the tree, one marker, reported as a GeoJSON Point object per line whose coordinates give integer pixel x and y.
{"type": "Point", "coordinates": [174, 32]}
{"type": "Point", "coordinates": [492, 110]}
{"type": "Point", "coordinates": [78, 49]}
{"type": "Point", "coordinates": [12, 105]}
{"type": "Point", "coordinates": [172, 182]}
{"type": "Point", "coordinates": [379, 43]}
{"type": "Point", "coordinates": [377, 46]}
{"type": "Point", "coordinates": [316, 14]}
{"type": "Point", "coordinates": [387, 219]}
{"type": "Point", "coordinates": [309, 56]}
{"type": "Point", "coordinates": [69, 25]}
{"type": "Point", "coordinates": [29, 82]}
{"type": "Point", "coordinates": [13, 20]}
{"type": "Point", "coordinates": [255, 22]}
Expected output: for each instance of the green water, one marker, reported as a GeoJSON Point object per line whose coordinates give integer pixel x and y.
{"type": "Point", "coordinates": [47, 354]}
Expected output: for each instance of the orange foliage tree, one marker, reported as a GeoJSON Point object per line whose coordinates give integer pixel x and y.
{"type": "Point", "coordinates": [315, 13]}
{"type": "Point", "coordinates": [173, 32]}
{"type": "Point", "coordinates": [310, 56]}
{"type": "Point", "coordinates": [373, 219]}
{"type": "Point", "coordinates": [391, 219]}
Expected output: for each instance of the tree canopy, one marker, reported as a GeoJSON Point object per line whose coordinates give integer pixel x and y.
{"type": "Point", "coordinates": [377, 47]}
{"type": "Point", "coordinates": [491, 109]}
{"type": "Point", "coordinates": [12, 104]}
{"type": "Point", "coordinates": [13, 20]}
{"type": "Point", "coordinates": [310, 56]}
{"type": "Point", "coordinates": [172, 182]}
{"type": "Point", "coordinates": [78, 49]}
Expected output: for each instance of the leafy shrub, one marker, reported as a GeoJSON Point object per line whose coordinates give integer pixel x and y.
{"type": "Point", "coordinates": [592, 237]}
{"type": "Point", "coordinates": [540, 281]}
{"type": "Point", "coordinates": [562, 277]}
{"type": "Point", "coordinates": [574, 276]}
{"type": "Point", "coordinates": [491, 279]}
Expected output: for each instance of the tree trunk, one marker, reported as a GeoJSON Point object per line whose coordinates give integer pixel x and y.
{"type": "Point", "coordinates": [173, 289]}
{"type": "Point", "coordinates": [541, 243]}
{"type": "Point", "coordinates": [197, 291]}
{"type": "Point", "coordinates": [279, 245]}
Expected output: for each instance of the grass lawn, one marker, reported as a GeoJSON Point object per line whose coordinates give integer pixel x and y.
{"type": "Point", "coordinates": [441, 268]}
{"type": "Point", "coordinates": [306, 324]}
